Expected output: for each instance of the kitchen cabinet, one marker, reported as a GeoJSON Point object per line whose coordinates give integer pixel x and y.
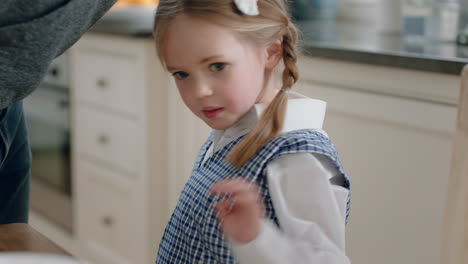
{"type": "Point", "coordinates": [393, 129]}
{"type": "Point", "coordinates": [120, 151]}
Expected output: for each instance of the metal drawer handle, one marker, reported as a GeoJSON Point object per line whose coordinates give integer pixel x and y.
{"type": "Point", "coordinates": [102, 84]}
{"type": "Point", "coordinates": [108, 221]}
{"type": "Point", "coordinates": [103, 139]}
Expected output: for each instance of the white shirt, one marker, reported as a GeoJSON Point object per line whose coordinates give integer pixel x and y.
{"type": "Point", "coordinates": [306, 191]}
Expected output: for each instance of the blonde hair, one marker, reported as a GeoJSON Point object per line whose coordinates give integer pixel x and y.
{"type": "Point", "coordinates": [272, 23]}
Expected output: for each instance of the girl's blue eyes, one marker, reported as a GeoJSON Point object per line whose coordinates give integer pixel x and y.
{"type": "Point", "coordinates": [180, 75]}
{"type": "Point", "coordinates": [217, 67]}
{"type": "Point", "coordinates": [214, 67]}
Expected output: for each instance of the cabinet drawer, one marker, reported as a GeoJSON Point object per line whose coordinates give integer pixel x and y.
{"type": "Point", "coordinates": [397, 153]}
{"type": "Point", "coordinates": [105, 212]}
{"type": "Point", "coordinates": [109, 138]}
{"type": "Point", "coordinates": [109, 80]}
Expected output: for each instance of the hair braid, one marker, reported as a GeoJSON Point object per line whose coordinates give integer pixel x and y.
{"type": "Point", "coordinates": [290, 72]}
{"type": "Point", "coordinates": [271, 121]}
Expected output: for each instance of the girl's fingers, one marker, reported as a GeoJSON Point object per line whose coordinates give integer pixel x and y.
{"type": "Point", "coordinates": [238, 197]}
{"type": "Point", "coordinates": [243, 202]}
{"type": "Point", "coordinates": [222, 208]}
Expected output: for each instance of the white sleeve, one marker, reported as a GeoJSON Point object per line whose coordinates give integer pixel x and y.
{"type": "Point", "coordinates": [310, 206]}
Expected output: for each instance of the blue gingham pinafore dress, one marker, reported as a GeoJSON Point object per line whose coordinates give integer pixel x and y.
{"type": "Point", "coordinates": [193, 234]}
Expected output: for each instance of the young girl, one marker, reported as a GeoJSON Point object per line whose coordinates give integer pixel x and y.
{"type": "Point", "coordinates": [267, 186]}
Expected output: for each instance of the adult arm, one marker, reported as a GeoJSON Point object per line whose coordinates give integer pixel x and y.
{"type": "Point", "coordinates": [33, 33]}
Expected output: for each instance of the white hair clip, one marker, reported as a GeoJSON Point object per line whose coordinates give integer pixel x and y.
{"type": "Point", "coordinates": [247, 7]}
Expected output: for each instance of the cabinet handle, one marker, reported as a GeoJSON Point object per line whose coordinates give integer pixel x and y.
{"type": "Point", "coordinates": [108, 221]}
{"type": "Point", "coordinates": [103, 139]}
{"type": "Point", "coordinates": [102, 84]}
{"type": "Point", "coordinates": [54, 71]}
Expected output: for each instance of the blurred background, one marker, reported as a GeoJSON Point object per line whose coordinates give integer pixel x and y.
{"type": "Point", "coordinates": [111, 151]}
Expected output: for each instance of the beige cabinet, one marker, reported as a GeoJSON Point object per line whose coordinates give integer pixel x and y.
{"type": "Point", "coordinates": [393, 129]}
{"type": "Point", "coordinates": [120, 158]}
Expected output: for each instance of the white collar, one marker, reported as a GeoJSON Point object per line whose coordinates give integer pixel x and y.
{"type": "Point", "coordinates": [301, 113]}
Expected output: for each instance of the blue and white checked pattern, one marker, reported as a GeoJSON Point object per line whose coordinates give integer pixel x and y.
{"type": "Point", "coordinates": [193, 233]}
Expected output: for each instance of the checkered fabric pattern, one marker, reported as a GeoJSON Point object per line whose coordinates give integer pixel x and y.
{"type": "Point", "coordinates": [193, 233]}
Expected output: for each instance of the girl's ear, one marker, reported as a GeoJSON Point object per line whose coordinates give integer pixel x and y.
{"type": "Point", "coordinates": [274, 54]}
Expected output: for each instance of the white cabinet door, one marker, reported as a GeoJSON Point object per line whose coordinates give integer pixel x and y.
{"type": "Point", "coordinates": [120, 149]}
{"type": "Point", "coordinates": [397, 153]}
{"type": "Point", "coordinates": [106, 216]}
{"type": "Point", "coordinates": [110, 139]}
{"type": "Point", "coordinates": [109, 79]}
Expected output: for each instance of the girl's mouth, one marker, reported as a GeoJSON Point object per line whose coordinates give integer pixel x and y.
{"type": "Point", "coordinates": [212, 112]}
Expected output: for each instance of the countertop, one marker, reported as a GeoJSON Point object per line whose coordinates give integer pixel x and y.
{"type": "Point", "coordinates": [365, 44]}
{"type": "Point", "coordinates": [22, 237]}
{"type": "Point", "coordinates": [347, 42]}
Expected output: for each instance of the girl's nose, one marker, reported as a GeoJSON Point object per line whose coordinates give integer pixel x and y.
{"type": "Point", "coordinates": [203, 89]}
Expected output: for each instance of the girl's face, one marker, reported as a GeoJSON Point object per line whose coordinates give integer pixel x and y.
{"type": "Point", "coordinates": [219, 77]}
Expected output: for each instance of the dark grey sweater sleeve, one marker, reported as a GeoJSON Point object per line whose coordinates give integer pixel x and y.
{"type": "Point", "coordinates": [33, 33]}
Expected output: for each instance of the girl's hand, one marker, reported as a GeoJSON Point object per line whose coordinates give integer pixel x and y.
{"type": "Point", "coordinates": [241, 213]}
